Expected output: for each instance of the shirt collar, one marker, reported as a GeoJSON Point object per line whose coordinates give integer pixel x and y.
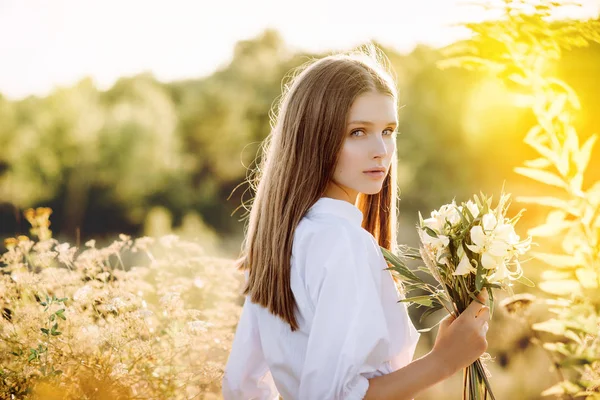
{"type": "Point", "coordinates": [341, 208]}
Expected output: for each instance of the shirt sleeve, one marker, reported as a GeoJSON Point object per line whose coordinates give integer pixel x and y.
{"type": "Point", "coordinates": [349, 338]}
{"type": "Point", "coordinates": [247, 375]}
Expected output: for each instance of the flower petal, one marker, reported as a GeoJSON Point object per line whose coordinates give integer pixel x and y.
{"type": "Point", "coordinates": [477, 236]}
{"type": "Point", "coordinates": [464, 267]}
{"type": "Point", "coordinates": [474, 248]}
{"type": "Point", "coordinates": [488, 261]}
{"type": "Point", "coordinates": [473, 208]}
{"type": "Point", "coordinates": [500, 274]}
{"type": "Point", "coordinates": [489, 221]}
{"type": "Point", "coordinates": [498, 248]}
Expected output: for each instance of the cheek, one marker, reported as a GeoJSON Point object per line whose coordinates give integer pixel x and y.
{"type": "Point", "coordinates": [349, 159]}
{"type": "Point", "coordinates": [391, 147]}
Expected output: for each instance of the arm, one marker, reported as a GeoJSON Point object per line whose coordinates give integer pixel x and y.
{"type": "Point", "coordinates": [349, 337]}
{"type": "Point", "coordinates": [410, 380]}
{"type": "Point", "coordinates": [459, 342]}
{"type": "Point", "coordinates": [247, 374]}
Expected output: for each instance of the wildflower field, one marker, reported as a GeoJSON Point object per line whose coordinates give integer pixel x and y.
{"type": "Point", "coordinates": [145, 318]}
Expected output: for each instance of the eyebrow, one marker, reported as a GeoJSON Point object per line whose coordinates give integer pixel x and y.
{"type": "Point", "coordinates": [369, 123]}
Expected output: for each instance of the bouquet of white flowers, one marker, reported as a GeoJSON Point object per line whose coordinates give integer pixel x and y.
{"type": "Point", "coordinates": [465, 248]}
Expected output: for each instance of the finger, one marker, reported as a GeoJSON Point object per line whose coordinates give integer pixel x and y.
{"type": "Point", "coordinates": [447, 320]}
{"type": "Point", "coordinates": [483, 313]}
{"type": "Point", "coordinates": [484, 328]}
{"type": "Point", "coordinates": [484, 296]}
{"type": "Point", "coordinates": [473, 309]}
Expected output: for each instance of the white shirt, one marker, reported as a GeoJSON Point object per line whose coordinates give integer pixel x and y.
{"type": "Point", "coordinates": [351, 326]}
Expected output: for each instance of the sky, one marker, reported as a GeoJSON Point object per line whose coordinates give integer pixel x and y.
{"type": "Point", "coordinates": [50, 43]}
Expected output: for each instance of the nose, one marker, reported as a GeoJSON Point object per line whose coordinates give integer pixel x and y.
{"type": "Point", "coordinates": [379, 148]}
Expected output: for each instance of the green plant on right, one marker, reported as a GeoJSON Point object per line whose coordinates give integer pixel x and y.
{"type": "Point", "coordinates": [518, 48]}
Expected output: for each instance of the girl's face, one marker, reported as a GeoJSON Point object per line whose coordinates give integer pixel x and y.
{"type": "Point", "coordinates": [369, 143]}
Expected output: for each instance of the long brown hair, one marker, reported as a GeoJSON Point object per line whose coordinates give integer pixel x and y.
{"type": "Point", "coordinates": [298, 160]}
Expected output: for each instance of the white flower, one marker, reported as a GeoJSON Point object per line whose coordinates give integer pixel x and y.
{"type": "Point", "coordinates": [168, 241]}
{"type": "Point", "coordinates": [472, 207]}
{"type": "Point", "coordinates": [500, 274]}
{"type": "Point", "coordinates": [439, 220]}
{"type": "Point", "coordinates": [464, 266]}
{"type": "Point", "coordinates": [65, 253]}
{"type": "Point", "coordinates": [450, 213]}
{"type": "Point", "coordinates": [492, 248]}
{"type": "Point", "coordinates": [82, 293]}
{"type": "Point", "coordinates": [434, 224]}
{"type": "Point", "coordinates": [489, 221]}
{"type": "Point", "coordinates": [489, 261]}
{"type": "Point", "coordinates": [523, 247]}
{"type": "Point", "coordinates": [435, 246]}
{"type": "Point", "coordinates": [438, 242]}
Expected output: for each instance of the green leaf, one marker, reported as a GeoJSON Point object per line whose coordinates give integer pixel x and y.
{"type": "Point", "coordinates": [399, 266]}
{"type": "Point", "coordinates": [52, 317]}
{"type": "Point", "coordinates": [561, 287]}
{"type": "Point", "coordinates": [538, 163]}
{"type": "Point", "coordinates": [583, 157]}
{"type": "Point", "coordinates": [492, 285]}
{"type": "Point", "coordinates": [425, 330]}
{"type": "Point", "coordinates": [430, 311]}
{"type": "Point", "coordinates": [525, 281]}
{"type": "Point", "coordinates": [574, 337]}
{"type": "Point", "coordinates": [587, 277]}
{"type": "Point", "coordinates": [557, 260]}
{"type": "Point", "coordinates": [430, 231]}
{"type": "Point", "coordinates": [422, 300]}
{"type": "Point", "coordinates": [542, 176]}
{"type": "Point", "coordinates": [557, 347]}
{"type": "Point", "coordinates": [549, 230]}
{"type": "Point", "coordinates": [480, 277]}
{"type": "Point", "coordinates": [555, 390]}
{"type": "Point", "coordinates": [548, 201]}
{"type": "Point", "coordinates": [543, 150]}
{"type": "Point", "coordinates": [45, 331]}
{"type": "Point", "coordinates": [554, 326]}
{"type": "Point", "coordinates": [56, 333]}
{"type": "Point", "coordinates": [575, 360]}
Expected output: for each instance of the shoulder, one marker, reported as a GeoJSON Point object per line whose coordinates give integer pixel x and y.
{"type": "Point", "coordinates": [324, 233]}
{"type": "Point", "coordinates": [329, 246]}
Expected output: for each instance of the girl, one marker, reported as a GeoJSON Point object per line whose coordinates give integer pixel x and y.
{"type": "Point", "coordinates": [321, 318]}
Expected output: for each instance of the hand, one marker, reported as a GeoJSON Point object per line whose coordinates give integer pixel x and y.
{"type": "Point", "coordinates": [461, 341]}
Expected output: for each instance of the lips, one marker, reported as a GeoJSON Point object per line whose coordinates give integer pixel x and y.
{"type": "Point", "coordinates": [377, 174]}
{"type": "Point", "coordinates": [376, 169]}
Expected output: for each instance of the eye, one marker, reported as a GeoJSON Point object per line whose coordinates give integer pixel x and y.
{"type": "Point", "coordinates": [356, 130]}
{"type": "Point", "coordinates": [391, 132]}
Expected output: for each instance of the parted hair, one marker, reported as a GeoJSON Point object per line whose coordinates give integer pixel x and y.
{"type": "Point", "coordinates": [297, 162]}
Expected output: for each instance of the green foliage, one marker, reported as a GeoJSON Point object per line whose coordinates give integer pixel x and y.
{"type": "Point", "coordinates": [101, 156]}
{"type": "Point", "coordinates": [518, 49]}
{"type": "Point", "coordinates": [40, 355]}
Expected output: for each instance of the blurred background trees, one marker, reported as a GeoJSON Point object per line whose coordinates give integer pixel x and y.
{"type": "Point", "coordinates": [111, 161]}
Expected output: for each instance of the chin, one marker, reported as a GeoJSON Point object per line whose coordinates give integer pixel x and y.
{"type": "Point", "coordinates": [372, 190]}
